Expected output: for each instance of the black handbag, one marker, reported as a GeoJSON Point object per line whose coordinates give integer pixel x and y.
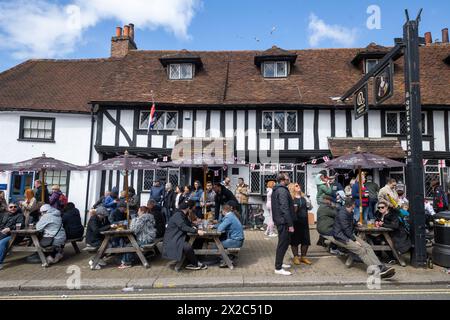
{"type": "Point", "coordinates": [46, 242]}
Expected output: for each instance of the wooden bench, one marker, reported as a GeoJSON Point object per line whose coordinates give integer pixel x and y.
{"type": "Point", "coordinates": [71, 241]}
{"type": "Point", "coordinates": [152, 247]}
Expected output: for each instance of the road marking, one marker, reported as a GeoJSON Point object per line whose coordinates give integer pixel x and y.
{"type": "Point", "coordinates": [232, 294]}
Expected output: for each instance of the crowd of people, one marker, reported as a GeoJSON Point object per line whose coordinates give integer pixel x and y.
{"type": "Point", "coordinates": [57, 220]}
{"type": "Point", "coordinates": [171, 213]}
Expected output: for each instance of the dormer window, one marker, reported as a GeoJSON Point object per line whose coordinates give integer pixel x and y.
{"type": "Point", "coordinates": [182, 65]}
{"type": "Point", "coordinates": [275, 62]}
{"type": "Point", "coordinates": [369, 64]}
{"type": "Point", "coordinates": [275, 69]}
{"type": "Point", "coordinates": [181, 71]}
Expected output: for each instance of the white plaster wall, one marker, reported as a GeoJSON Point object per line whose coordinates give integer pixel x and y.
{"type": "Point", "coordinates": [340, 124]}
{"type": "Point", "coordinates": [357, 126]}
{"type": "Point", "coordinates": [439, 131]}
{"type": "Point", "coordinates": [324, 128]}
{"type": "Point", "coordinates": [109, 130]}
{"type": "Point", "coordinates": [240, 130]}
{"type": "Point", "coordinates": [200, 124]}
{"type": "Point", "coordinates": [252, 130]}
{"type": "Point", "coordinates": [374, 124]}
{"type": "Point", "coordinates": [126, 120]}
{"type": "Point", "coordinates": [215, 124]}
{"type": "Point", "coordinates": [187, 123]}
{"type": "Point", "coordinates": [308, 130]}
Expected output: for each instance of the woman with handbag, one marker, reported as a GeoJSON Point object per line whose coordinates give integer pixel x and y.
{"type": "Point", "coordinates": [51, 226]}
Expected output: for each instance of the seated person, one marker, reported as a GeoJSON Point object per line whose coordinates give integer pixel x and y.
{"type": "Point", "coordinates": [389, 217]}
{"type": "Point", "coordinates": [51, 225]}
{"type": "Point", "coordinates": [72, 222]}
{"type": "Point", "coordinates": [112, 200]}
{"type": "Point", "coordinates": [9, 220]}
{"type": "Point", "coordinates": [118, 215]}
{"type": "Point", "coordinates": [144, 229]}
{"type": "Point", "coordinates": [326, 214]}
{"type": "Point", "coordinates": [231, 226]}
{"type": "Point", "coordinates": [344, 236]}
{"type": "Point", "coordinates": [97, 223]}
{"type": "Point", "coordinates": [160, 221]}
{"type": "Point", "coordinates": [175, 244]}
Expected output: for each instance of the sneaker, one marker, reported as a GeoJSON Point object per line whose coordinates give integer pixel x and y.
{"type": "Point", "coordinates": [200, 266]}
{"type": "Point", "coordinates": [101, 263]}
{"type": "Point", "coordinates": [50, 260]}
{"type": "Point", "coordinates": [57, 258]}
{"type": "Point", "coordinates": [124, 266]}
{"type": "Point", "coordinates": [387, 272]}
{"type": "Point", "coordinates": [336, 252]}
{"type": "Point", "coordinates": [273, 235]}
{"type": "Point", "coordinates": [286, 266]}
{"type": "Point", "coordinates": [283, 272]}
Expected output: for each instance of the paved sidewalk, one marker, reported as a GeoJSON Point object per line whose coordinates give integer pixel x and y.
{"type": "Point", "coordinates": [255, 268]}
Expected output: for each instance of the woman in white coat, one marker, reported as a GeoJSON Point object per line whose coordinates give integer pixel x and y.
{"type": "Point", "coordinates": [269, 221]}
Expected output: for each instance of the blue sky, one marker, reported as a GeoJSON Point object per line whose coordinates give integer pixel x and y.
{"type": "Point", "coordinates": [83, 28]}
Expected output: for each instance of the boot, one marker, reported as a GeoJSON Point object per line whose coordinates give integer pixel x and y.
{"type": "Point", "coordinates": [296, 260]}
{"type": "Point", "coordinates": [305, 261]}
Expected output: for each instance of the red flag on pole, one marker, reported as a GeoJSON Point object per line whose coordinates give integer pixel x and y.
{"type": "Point", "coordinates": [151, 119]}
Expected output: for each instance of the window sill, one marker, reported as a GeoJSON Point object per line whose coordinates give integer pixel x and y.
{"type": "Point", "coordinates": [36, 140]}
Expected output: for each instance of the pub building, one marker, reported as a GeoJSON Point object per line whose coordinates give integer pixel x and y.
{"type": "Point", "coordinates": [259, 102]}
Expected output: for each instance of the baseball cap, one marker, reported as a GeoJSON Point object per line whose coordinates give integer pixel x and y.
{"type": "Point", "coordinates": [45, 208]}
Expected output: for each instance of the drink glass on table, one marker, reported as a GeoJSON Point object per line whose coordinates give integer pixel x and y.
{"type": "Point", "coordinates": [18, 226]}
{"type": "Point", "coordinates": [31, 226]}
{"type": "Point", "coordinates": [371, 224]}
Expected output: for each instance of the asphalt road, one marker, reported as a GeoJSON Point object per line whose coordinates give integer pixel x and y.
{"type": "Point", "coordinates": [441, 292]}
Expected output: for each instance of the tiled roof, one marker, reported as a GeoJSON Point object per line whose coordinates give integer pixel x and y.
{"type": "Point", "coordinates": [56, 85]}
{"type": "Point", "coordinates": [386, 147]}
{"type": "Point", "coordinates": [227, 78]}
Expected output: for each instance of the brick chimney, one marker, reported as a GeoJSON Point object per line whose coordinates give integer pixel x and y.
{"type": "Point", "coordinates": [445, 35]}
{"type": "Point", "coordinates": [123, 42]}
{"type": "Point", "coordinates": [428, 38]}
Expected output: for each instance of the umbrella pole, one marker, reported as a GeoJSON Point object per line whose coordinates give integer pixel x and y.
{"type": "Point", "coordinates": [43, 187]}
{"type": "Point", "coordinates": [360, 195]}
{"type": "Point", "coordinates": [205, 168]}
{"type": "Point", "coordinates": [126, 197]}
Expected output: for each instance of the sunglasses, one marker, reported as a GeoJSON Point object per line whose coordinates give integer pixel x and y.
{"type": "Point", "coordinates": [381, 207]}
{"type": "Point", "coordinates": [13, 207]}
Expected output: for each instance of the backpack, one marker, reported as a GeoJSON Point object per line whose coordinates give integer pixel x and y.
{"type": "Point", "coordinates": [62, 200]}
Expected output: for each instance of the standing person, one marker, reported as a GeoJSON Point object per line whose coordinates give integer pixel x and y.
{"type": "Point", "coordinates": [3, 203]}
{"type": "Point", "coordinates": [373, 190]}
{"type": "Point", "coordinates": [178, 197]}
{"type": "Point", "coordinates": [175, 244]}
{"type": "Point", "coordinates": [365, 200]}
{"type": "Point", "coordinates": [51, 225]}
{"type": "Point", "coordinates": [160, 221]}
{"type": "Point", "coordinates": [9, 221]}
{"type": "Point", "coordinates": [282, 211]}
{"type": "Point", "coordinates": [210, 196]}
{"type": "Point", "coordinates": [335, 187]}
{"type": "Point", "coordinates": [227, 183]}
{"type": "Point", "coordinates": [389, 194]}
{"type": "Point", "coordinates": [38, 192]}
{"type": "Point", "coordinates": [30, 208]}
{"type": "Point", "coordinates": [133, 202]}
{"type": "Point", "coordinates": [169, 201]}
{"type": "Point", "coordinates": [344, 236]}
{"type": "Point", "coordinates": [57, 199]}
{"type": "Point", "coordinates": [157, 192]}
{"type": "Point", "coordinates": [223, 195]}
{"type": "Point", "coordinates": [440, 200]}
{"type": "Point", "coordinates": [269, 219]}
{"type": "Point", "coordinates": [300, 236]}
{"type": "Point", "coordinates": [323, 186]}
{"type": "Point", "coordinates": [242, 197]}
{"type": "Point", "coordinates": [71, 219]}
{"type": "Point", "coordinates": [196, 196]}
{"type": "Point", "coordinates": [402, 200]}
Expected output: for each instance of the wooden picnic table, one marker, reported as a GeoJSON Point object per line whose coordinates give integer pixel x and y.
{"type": "Point", "coordinates": [36, 247]}
{"type": "Point", "coordinates": [210, 234]}
{"type": "Point", "coordinates": [128, 234]}
{"type": "Point", "coordinates": [364, 230]}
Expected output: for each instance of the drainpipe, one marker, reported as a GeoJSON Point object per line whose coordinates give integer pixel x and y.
{"type": "Point", "coordinates": [91, 146]}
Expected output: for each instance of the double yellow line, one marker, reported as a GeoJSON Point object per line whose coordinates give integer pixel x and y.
{"type": "Point", "coordinates": [234, 294]}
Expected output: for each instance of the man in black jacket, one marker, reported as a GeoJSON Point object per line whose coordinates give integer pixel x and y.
{"type": "Point", "coordinates": [175, 244]}
{"type": "Point", "coordinates": [223, 195]}
{"type": "Point", "coordinates": [282, 212]}
{"type": "Point", "coordinates": [160, 221]}
{"type": "Point", "coordinates": [169, 201]}
{"type": "Point", "coordinates": [38, 192]}
{"type": "Point", "coordinates": [97, 223]}
{"type": "Point", "coordinates": [9, 220]}
{"type": "Point", "coordinates": [344, 235]}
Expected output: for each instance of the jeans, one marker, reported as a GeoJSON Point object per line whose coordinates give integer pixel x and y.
{"type": "Point", "coordinates": [363, 251]}
{"type": "Point", "coordinates": [230, 243]}
{"type": "Point", "coordinates": [167, 214]}
{"type": "Point", "coordinates": [283, 245]}
{"type": "Point", "coordinates": [356, 214]}
{"type": "Point", "coordinates": [3, 245]}
{"type": "Point", "coordinates": [244, 214]}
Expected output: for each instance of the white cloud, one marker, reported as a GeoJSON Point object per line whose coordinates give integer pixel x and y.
{"type": "Point", "coordinates": [319, 31]}
{"type": "Point", "coordinates": [43, 28]}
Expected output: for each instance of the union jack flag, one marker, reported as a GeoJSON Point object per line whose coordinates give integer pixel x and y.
{"type": "Point", "coordinates": [152, 118]}
{"type": "Point", "coordinates": [326, 159]}
{"type": "Point", "coordinates": [441, 163]}
{"type": "Point", "coordinates": [424, 161]}
{"type": "Point", "coordinates": [314, 161]}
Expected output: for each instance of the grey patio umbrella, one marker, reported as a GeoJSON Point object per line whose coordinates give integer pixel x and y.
{"type": "Point", "coordinates": [359, 160]}
{"type": "Point", "coordinates": [125, 163]}
{"type": "Point", "coordinates": [41, 164]}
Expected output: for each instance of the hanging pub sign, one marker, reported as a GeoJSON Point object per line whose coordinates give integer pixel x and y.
{"type": "Point", "coordinates": [384, 84]}
{"type": "Point", "coordinates": [361, 100]}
